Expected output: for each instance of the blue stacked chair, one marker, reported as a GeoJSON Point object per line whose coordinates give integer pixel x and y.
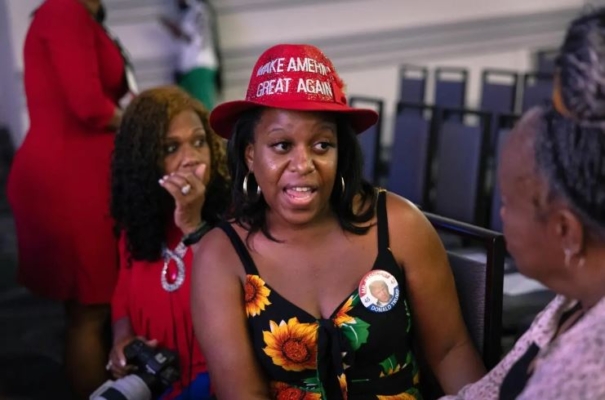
{"type": "Point", "coordinates": [498, 95]}
{"type": "Point", "coordinates": [410, 152]}
{"type": "Point", "coordinates": [546, 61]}
{"type": "Point", "coordinates": [450, 88]}
{"type": "Point", "coordinates": [371, 139]}
{"type": "Point", "coordinates": [462, 150]}
{"type": "Point", "coordinates": [537, 87]}
{"type": "Point", "coordinates": [504, 125]}
{"type": "Point", "coordinates": [412, 81]}
{"type": "Point", "coordinates": [499, 91]}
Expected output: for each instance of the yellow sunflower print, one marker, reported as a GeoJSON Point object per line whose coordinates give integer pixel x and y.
{"type": "Point", "coordinates": [292, 345]}
{"type": "Point", "coordinates": [283, 391]}
{"type": "Point", "coordinates": [400, 396]}
{"type": "Point", "coordinates": [342, 380]}
{"type": "Point", "coordinates": [342, 317]}
{"type": "Point", "coordinates": [256, 295]}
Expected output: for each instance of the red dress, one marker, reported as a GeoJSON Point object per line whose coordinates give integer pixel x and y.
{"type": "Point", "coordinates": [155, 313]}
{"type": "Point", "coordinates": [59, 183]}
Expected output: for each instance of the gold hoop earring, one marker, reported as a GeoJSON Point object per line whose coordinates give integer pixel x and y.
{"type": "Point", "coordinates": [245, 186]}
{"type": "Point", "coordinates": [342, 183]}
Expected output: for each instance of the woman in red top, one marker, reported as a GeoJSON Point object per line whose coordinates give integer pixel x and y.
{"type": "Point", "coordinates": [169, 185]}
{"type": "Point", "coordinates": [59, 183]}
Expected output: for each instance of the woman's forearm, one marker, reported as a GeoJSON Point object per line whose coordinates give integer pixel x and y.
{"type": "Point", "coordinates": [122, 329]}
{"type": "Point", "coordinates": [114, 122]}
{"type": "Point", "coordinates": [459, 367]}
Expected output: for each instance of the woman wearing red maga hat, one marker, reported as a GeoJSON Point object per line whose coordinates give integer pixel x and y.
{"type": "Point", "coordinates": [280, 298]}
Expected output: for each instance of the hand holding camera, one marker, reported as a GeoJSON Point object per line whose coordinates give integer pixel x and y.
{"type": "Point", "coordinates": [144, 370]}
{"type": "Point", "coordinates": [117, 365]}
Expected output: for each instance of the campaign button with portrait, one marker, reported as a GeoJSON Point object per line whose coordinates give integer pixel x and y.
{"type": "Point", "coordinates": [379, 291]}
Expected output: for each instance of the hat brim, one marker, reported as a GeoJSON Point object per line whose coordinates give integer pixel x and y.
{"type": "Point", "coordinates": [224, 116]}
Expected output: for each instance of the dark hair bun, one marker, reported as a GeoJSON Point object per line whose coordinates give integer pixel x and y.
{"type": "Point", "coordinates": [571, 154]}
{"type": "Point", "coordinates": [581, 66]}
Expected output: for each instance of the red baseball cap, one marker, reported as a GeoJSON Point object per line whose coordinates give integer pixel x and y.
{"type": "Point", "coordinates": [292, 77]}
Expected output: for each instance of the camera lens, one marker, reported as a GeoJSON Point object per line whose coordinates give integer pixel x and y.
{"type": "Point", "coordinates": [131, 387]}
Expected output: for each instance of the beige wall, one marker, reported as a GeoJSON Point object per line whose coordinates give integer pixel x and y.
{"type": "Point", "coordinates": [327, 18]}
{"type": "Point", "coordinates": [367, 39]}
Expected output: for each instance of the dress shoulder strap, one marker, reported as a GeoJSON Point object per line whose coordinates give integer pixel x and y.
{"type": "Point", "coordinates": [383, 222]}
{"type": "Point", "coordinates": [240, 248]}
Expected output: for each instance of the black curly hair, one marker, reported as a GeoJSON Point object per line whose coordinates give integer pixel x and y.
{"type": "Point", "coordinates": [581, 67]}
{"type": "Point", "coordinates": [140, 207]}
{"type": "Point", "coordinates": [571, 155]}
{"type": "Point", "coordinates": [250, 211]}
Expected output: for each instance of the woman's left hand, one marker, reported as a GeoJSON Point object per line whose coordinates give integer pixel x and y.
{"type": "Point", "coordinates": [189, 193]}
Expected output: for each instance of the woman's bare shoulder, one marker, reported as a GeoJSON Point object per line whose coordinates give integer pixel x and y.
{"type": "Point", "coordinates": [216, 251]}
{"type": "Point", "coordinates": [403, 210]}
{"type": "Point", "coordinates": [409, 229]}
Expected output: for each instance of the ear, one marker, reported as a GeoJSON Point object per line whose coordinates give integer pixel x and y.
{"type": "Point", "coordinates": [570, 231]}
{"type": "Point", "coordinates": [249, 157]}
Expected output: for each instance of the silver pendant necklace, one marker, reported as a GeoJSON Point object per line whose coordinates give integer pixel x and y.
{"type": "Point", "coordinates": [173, 278]}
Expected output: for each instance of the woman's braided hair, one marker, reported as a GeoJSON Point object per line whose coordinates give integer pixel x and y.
{"type": "Point", "coordinates": [570, 145]}
{"type": "Point", "coordinates": [581, 68]}
{"type": "Point", "coordinates": [571, 155]}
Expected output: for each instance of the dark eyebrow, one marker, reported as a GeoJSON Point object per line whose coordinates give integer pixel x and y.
{"type": "Point", "coordinates": [327, 124]}
{"type": "Point", "coordinates": [199, 131]}
{"type": "Point", "coordinates": [320, 129]}
{"type": "Point", "coordinates": [276, 129]}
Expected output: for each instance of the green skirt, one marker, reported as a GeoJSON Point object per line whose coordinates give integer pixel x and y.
{"type": "Point", "coordinates": [201, 84]}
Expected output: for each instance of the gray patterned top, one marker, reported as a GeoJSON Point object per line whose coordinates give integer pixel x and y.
{"type": "Point", "coordinates": [570, 367]}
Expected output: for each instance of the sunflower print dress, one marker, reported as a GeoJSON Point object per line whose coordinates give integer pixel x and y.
{"type": "Point", "coordinates": [356, 354]}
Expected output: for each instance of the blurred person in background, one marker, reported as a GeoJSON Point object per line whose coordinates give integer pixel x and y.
{"type": "Point", "coordinates": [198, 65]}
{"type": "Point", "coordinates": [74, 76]}
{"type": "Point", "coordinates": [169, 186]}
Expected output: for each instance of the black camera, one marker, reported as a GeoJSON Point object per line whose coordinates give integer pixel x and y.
{"type": "Point", "coordinates": [156, 369]}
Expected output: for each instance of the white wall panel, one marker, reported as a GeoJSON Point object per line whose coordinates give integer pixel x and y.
{"type": "Point", "coordinates": [367, 39]}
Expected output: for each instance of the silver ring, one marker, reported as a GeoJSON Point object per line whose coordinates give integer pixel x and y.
{"type": "Point", "coordinates": [108, 366]}
{"type": "Point", "coordinates": [186, 189]}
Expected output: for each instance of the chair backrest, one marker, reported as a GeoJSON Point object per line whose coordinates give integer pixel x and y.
{"type": "Point", "coordinates": [412, 87]}
{"type": "Point", "coordinates": [410, 153]}
{"type": "Point", "coordinates": [537, 87]}
{"type": "Point", "coordinates": [479, 285]}
{"type": "Point", "coordinates": [498, 95]}
{"type": "Point", "coordinates": [450, 87]}
{"type": "Point", "coordinates": [546, 60]}
{"type": "Point", "coordinates": [462, 149]}
{"type": "Point", "coordinates": [470, 280]}
{"type": "Point", "coordinates": [505, 125]}
{"type": "Point", "coordinates": [499, 90]}
{"type": "Point", "coordinates": [371, 140]}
